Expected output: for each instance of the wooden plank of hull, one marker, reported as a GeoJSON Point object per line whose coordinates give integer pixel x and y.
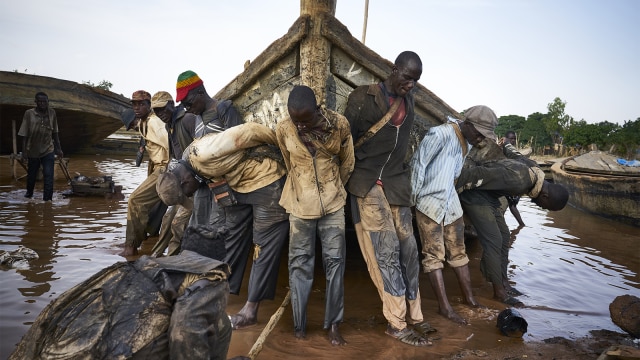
{"type": "Point", "coordinates": [261, 91]}
{"type": "Point", "coordinates": [600, 162]}
{"type": "Point", "coordinates": [86, 115]}
{"type": "Point", "coordinates": [616, 197]}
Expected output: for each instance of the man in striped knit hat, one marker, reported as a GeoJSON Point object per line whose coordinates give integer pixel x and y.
{"type": "Point", "coordinates": [213, 116]}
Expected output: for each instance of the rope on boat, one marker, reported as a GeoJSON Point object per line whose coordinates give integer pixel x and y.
{"type": "Point", "coordinates": [257, 347]}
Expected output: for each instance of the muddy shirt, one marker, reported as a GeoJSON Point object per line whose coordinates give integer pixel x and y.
{"type": "Point", "coordinates": [231, 154]}
{"type": "Point", "coordinates": [315, 184]}
{"type": "Point", "coordinates": [38, 129]}
{"type": "Point", "coordinates": [381, 157]}
{"type": "Point", "coordinates": [154, 132]}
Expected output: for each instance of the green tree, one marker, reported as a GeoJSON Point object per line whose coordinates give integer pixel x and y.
{"type": "Point", "coordinates": [534, 132]}
{"type": "Point", "coordinates": [510, 122]}
{"type": "Point", "coordinates": [582, 134]}
{"type": "Point", "coordinates": [556, 122]}
{"type": "Point", "coordinates": [627, 138]}
{"type": "Point", "coordinates": [104, 85]}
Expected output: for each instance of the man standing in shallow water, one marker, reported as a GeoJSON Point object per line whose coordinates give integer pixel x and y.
{"type": "Point", "coordinates": [318, 152]}
{"type": "Point", "coordinates": [39, 129]}
{"type": "Point", "coordinates": [145, 196]}
{"type": "Point", "coordinates": [381, 195]}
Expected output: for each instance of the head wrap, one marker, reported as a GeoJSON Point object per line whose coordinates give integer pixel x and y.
{"type": "Point", "coordinates": [186, 81]}
{"type": "Point", "coordinates": [483, 119]}
{"type": "Point", "coordinates": [140, 95]}
{"type": "Point", "coordinates": [160, 99]}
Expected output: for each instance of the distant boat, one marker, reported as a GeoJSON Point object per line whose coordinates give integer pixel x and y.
{"type": "Point", "coordinates": [85, 114]}
{"type": "Point", "coordinates": [599, 185]}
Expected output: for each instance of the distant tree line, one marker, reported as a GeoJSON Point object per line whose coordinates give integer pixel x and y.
{"type": "Point", "coordinates": [559, 133]}
{"type": "Point", "coordinates": [104, 84]}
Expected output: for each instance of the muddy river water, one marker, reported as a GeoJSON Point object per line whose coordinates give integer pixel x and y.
{"type": "Point", "coordinates": [569, 264]}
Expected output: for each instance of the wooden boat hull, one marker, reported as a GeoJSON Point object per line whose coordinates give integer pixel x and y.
{"type": "Point", "coordinates": [85, 114]}
{"type": "Point", "coordinates": [612, 196]}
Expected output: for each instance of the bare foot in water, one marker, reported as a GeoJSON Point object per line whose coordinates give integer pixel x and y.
{"type": "Point", "coordinates": [246, 317]}
{"type": "Point", "coordinates": [334, 336]}
{"type": "Point", "coordinates": [453, 316]}
{"type": "Point", "coordinates": [129, 251]}
{"type": "Point", "coordinates": [474, 304]}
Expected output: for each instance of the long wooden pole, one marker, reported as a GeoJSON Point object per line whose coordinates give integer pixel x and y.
{"type": "Point", "coordinates": [255, 350]}
{"type": "Point", "coordinates": [15, 148]}
{"type": "Point", "coordinates": [366, 18]}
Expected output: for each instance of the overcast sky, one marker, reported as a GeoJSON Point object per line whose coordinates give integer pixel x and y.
{"type": "Point", "coordinates": [514, 56]}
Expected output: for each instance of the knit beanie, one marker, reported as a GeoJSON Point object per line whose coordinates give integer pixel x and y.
{"type": "Point", "coordinates": [186, 81]}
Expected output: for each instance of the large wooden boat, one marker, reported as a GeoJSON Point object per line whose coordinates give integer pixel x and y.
{"type": "Point", "coordinates": [599, 185]}
{"type": "Point", "coordinates": [320, 52]}
{"type": "Point", "coordinates": [85, 114]}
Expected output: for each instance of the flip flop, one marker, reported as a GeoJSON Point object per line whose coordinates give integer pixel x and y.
{"type": "Point", "coordinates": [424, 328]}
{"type": "Point", "coordinates": [239, 322]}
{"type": "Point", "coordinates": [408, 337]}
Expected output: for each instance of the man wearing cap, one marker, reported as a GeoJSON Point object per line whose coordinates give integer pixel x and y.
{"type": "Point", "coordinates": [180, 128]}
{"type": "Point", "coordinates": [246, 158]}
{"type": "Point", "coordinates": [145, 197]}
{"type": "Point", "coordinates": [435, 165]}
{"type": "Point", "coordinates": [212, 116]}
{"type": "Point", "coordinates": [484, 208]}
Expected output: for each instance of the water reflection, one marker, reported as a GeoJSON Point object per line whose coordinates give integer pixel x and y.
{"type": "Point", "coordinates": [569, 264]}
{"type": "Point", "coordinates": [572, 266]}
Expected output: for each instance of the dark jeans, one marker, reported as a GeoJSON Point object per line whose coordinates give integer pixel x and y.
{"type": "Point", "coordinates": [302, 254]}
{"type": "Point", "coordinates": [47, 163]}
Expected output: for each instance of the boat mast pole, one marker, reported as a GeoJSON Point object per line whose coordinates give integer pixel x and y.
{"type": "Point", "coordinates": [315, 49]}
{"type": "Point", "coordinates": [366, 18]}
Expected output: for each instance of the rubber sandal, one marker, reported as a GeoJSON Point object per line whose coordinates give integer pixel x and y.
{"type": "Point", "coordinates": [408, 337]}
{"type": "Point", "coordinates": [424, 328]}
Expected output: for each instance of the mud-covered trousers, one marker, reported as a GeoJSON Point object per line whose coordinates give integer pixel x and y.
{"type": "Point", "coordinates": [385, 235]}
{"type": "Point", "coordinates": [200, 327]}
{"type": "Point", "coordinates": [302, 254]}
{"type": "Point", "coordinates": [493, 234]}
{"type": "Point", "coordinates": [141, 201]}
{"type": "Point", "coordinates": [256, 219]}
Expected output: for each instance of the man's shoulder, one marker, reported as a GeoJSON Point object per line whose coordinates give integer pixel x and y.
{"type": "Point", "coordinates": [30, 112]}
{"type": "Point", "coordinates": [283, 124]}
{"type": "Point", "coordinates": [339, 120]}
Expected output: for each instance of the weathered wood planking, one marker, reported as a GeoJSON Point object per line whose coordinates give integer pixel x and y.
{"type": "Point", "coordinates": [260, 92]}
{"type": "Point", "coordinates": [85, 114]}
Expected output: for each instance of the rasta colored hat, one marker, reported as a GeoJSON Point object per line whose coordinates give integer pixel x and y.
{"type": "Point", "coordinates": [160, 99]}
{"type": "Point", "coordinates": [140, 95]}
{"type": "Point", "coordinates": [483, 119]}
{"type": "Point", "coordinates": [186, 81]}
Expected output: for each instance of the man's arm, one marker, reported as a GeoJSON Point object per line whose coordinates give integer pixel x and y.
{"type": "Point", "coordinates": [56, 145]}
